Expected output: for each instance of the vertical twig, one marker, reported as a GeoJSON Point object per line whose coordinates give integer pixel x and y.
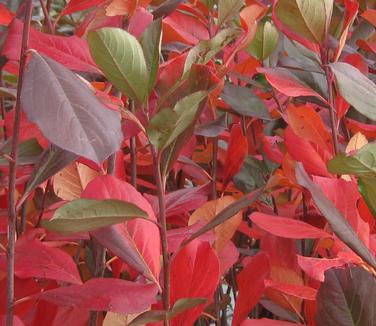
{"type": "Point", "coordinates": [332, 109]}
{"type": "Point", "coordinates": [160, 182]}
{"type": "Point", "coordinates": [12, 213]}
{"type": "Point", "coordinates": [133, 153]}
{"type": "Point", "coordinates": [214, 169]}
{"type": "Point", "coordinates": [2, 108]}
{"type": "Point", "coordinates": [98, 250]}
{"type": "Point", "coordinates": [47, 19]}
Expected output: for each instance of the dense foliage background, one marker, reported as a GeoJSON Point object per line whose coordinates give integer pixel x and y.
{"type": "Point", "coordinates": [186, 163]}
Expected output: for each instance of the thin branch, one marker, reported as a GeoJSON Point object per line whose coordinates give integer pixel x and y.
{"type": "Point", "coordinates": [47, 18]}
{"type": "Point", "coordinates": [12, 213]}
{"type": "Point", "coordinates": [332, 109]}
{"type": "Point", "coordinates": [133, 147]}
{"type": "Point", "coordinates": [99, 250]}
{"type": "Point", "coordinates": [160, 182]}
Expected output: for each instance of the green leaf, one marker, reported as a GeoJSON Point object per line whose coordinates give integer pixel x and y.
{"type": "Point", "coordinates": [367, 188]}
{"type": "Point", "coordinates": [28, 152]}
{"type": "Point", "coordinates": [90, 214]}
{"type": "Point", "coordinates": [244, 102]}
{"type": "Point", "coordinates": [309, 19]}
{"type": "Point", "coordinates": [265, 41]}
{"type": "Point", "coordinates": [119, 55]}
{"type": "Point", "coordinates": [151, 45]}
{"type": "Point", "coordinates": [347, 297]}
{"type": "Point", "coordinates": [362, 164]}
{"type": "Point", "coordinates": [179, 307]}
{"type": "Point", "coordinates": [204, 51]}
{"type": "Point", "coordinates": [184, 304]}
{"type": "Point", "coordinates": [228, 9]}
{"type": "Point", "coordinates": [168, 124]}
{"type": "Point", "coordinates": [340, 226]}
{"type": "Point", "coordinates": [356, 88]}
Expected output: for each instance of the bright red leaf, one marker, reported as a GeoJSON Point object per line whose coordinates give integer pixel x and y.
{"type": "Point", "coordinates": [287, 227]}
{"type": "Point", "coordinates": [195, 273]}
{"type": "Point", "coordinates": [70, 51]}
{"type": "Point", "coordinates": [236, 153]}
{"type": "Point", "coordinates": [36, 259]}
{"type": "Point", "coordinates": [137, 241]}
{"type": "Point", "coordinates": [251, 286]}
{"type": "Point", "coordinates": [105, 294]}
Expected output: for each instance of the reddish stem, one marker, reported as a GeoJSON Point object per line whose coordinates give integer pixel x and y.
{"type": "Point", "coordinates": [12, 212]}
{"type": "Point", "coordinates": [332, 110]}
{"type": "Point", "coordinates": [160, 182]}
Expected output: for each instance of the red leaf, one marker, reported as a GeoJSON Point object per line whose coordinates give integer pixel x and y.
{"type": "Point", "coordinates": [370, 15]}
{"type": "Point", "coordinates": [287, 227]}
{"type": "Point", "coordinates": [182, 201]}
{"type": "Point", "coordinates": [302, 151]}
{"type": "Point", "coordinates": [176, 236]}
{"type": "Point", "coordinates": [300, 291]}
{"type": "Point", "coordinates": [137, 242]}
{"type": "Point", "coordinates": [6, 15]}
{"type": "Point", "coordinates": [105, 294]}
{"type": "Point", "coordinates": [228, 256]}
{"type": "Point", "coordinates": [267, 322]}
{"type": "Point", "coordinates": [36, 259]}
{"type": "Point", "coordinates": [184, 28]}
{"type": "Point", "coordinates": [236, 153]}
{"type": "Point", "coordinates": [251, 286]}
{"type": "Point", "coordinates": [310, 45]}
{"type": "Point", "coordinates": [16, 321]}
{"type": "Point", "coordinates": [70, 51]}
{"type": "Point", "coordinates": [345, 195]}
{"type": "Point", "coordinates": [316, 267]}
{"type": "Point", "coordinates": [48, 313]}
{"type": "Point", "coordinates": [194, 274]}
{"type": "Point", "coordinates": [351, 10]}
{"type": "Point", "coordinates": [79, 5]}
{"type": "Point", "coordinates": [286, 82]}
{"type": "Point", "coordinates": [307, 123]}
{"type": "Point", "coordinates": [139, 22]}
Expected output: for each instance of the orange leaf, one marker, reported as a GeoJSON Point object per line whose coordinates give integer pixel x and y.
{"type": "Point", "coordinates": [307, 123]}
{"type": "Point", "coordinates": [71, 181]}
{"type": "Point", "coordinates": [209, 210]}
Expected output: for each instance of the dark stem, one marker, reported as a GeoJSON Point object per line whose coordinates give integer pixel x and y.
{"type": "Point", "coordinates": [98, 250]}
{"type": "Point", "coordinates": [2, 109]}
{"type": "Point", "coordinates": [160, 182]}
{"type": "Point", "coordinates": [332, 110]}
{"type": "Point", "coordinates": [12, 212]}
{"type": "Point", "coordinates": [43, 204]}
{"type": "Point", "coordinates": [213, 195]}
{"type": "Point", "coordinates": [133, 147]}
{"type": "Point", "coordinates": [214, 169]}
{"type": "Point", "coordinates": [47, 19]}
